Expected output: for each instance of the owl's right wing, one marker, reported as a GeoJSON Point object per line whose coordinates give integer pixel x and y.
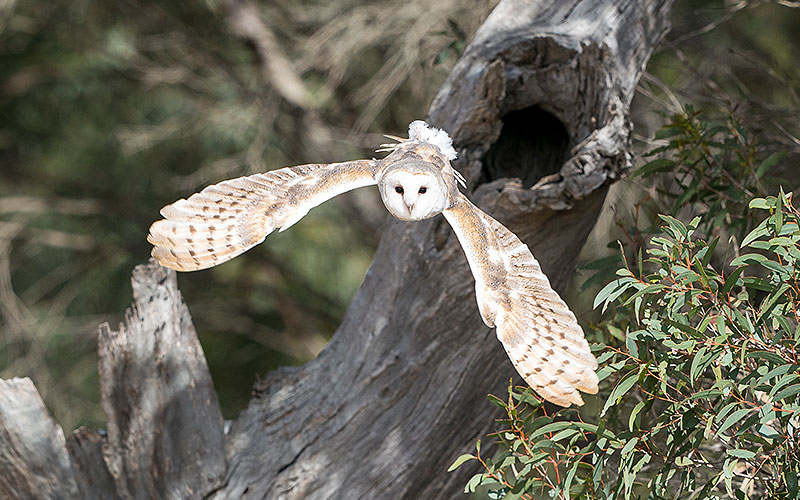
{"type": "Point", "coordinates": [226, 219]}
{"type": "Point", "coordinates": [537, 329]}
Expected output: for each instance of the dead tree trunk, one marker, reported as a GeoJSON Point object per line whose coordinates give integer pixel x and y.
{"type": "Point", "coordinates": [538, 109]}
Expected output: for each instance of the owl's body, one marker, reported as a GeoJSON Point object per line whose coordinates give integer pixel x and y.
{"type": "Point", "coordinates": [416, 181]}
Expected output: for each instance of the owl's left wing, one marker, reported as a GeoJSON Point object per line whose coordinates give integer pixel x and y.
{"type": "Point", "coordinates": [226, 219]}
{"type": "Point", "coordinates": [537, 329]}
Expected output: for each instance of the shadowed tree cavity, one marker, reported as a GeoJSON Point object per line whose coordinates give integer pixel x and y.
{"type": "Point", "coordinates": [532, 144]}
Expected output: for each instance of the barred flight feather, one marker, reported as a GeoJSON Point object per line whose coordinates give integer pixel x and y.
{"type": "Point", "coordinates": [226, 219]}
{"type": "Point", "coordinates": [540, 334]}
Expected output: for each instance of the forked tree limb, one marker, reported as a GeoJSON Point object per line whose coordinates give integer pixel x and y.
{"type": "Point", "coordinates": [538, 107]}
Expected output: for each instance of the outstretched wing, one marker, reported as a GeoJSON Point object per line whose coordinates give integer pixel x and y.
{"type": "Point", "coordinates": [225, 219]}
{"type": "Point", "coordinates": [537, 329]}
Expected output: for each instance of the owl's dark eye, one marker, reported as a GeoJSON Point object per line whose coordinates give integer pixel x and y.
{"type": "Point", "coordinates": [423, 190]}
{"type": "Point", "coordinates": [398, 189]}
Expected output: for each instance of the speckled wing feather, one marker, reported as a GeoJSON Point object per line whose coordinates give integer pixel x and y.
{"type": "Point", "coordinates": [226, 219]}
{"type": "Point", "coordinates": [537, 329]}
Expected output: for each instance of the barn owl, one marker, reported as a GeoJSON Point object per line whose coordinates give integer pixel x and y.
{"type": "Point", "coordinates": [416, 181]}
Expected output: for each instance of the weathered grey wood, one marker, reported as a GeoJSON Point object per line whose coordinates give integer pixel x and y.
{"type": "Point", "coordinates": [401, 389]}
{"type": "Point", "coordinates": [165, 434]}
{"type": "Point", "coordinates": [33, 455]}
{"type": "Point", "coordinates": [85, 448]}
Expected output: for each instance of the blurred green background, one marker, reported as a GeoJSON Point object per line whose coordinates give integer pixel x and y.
{"type": "Point", "coordinates": [110, 110]}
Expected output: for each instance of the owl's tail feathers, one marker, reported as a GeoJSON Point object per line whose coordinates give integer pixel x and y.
{"type": "Point", "coordinates": [208, 228]}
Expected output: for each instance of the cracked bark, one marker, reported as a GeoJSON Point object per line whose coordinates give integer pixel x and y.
{"type": "Point", "coordinates": [538, 109]}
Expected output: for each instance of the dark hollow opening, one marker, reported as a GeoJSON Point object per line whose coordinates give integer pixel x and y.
{"type": "Point", "coordinates": [532, 144]}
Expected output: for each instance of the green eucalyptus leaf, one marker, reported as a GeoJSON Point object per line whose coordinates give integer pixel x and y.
{"type": "Point", "coordinates": [659, 165]}
{"type": "Point", "coordinates": [740, 453]}
{"type": "Point", "coordinates": [767, 164]}
{"type": "Point", "coordinates": [788, 392]}
{"type": "Point", "coordinates": [783, 382]}
{"type": "Point", "coordinates": [759, 232]}
{"type": "Point", "coordinates": [731, 280]}
{"type": "Point", "coordinates": [790, 477]}
{"type": "Point", "coordinates": [679, 230]}
{"type": "Point", "coordinates": [748, 258]}
{"type": "Point", "coordinates": [761, 203]}
{"type": "Point", "coordinates": [635, 413]}
{"type": "Point", "coordinates": [732, 419]}
{"type": "Point", "coordinates": [466, 457]}
{"type": "Point", "coordinates": [625, 384]}
{"type": "Point", "coordinates": [766, 355]}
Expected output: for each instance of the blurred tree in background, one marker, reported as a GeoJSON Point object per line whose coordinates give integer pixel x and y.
{"type": "Point", "coordinates": [110, 110]}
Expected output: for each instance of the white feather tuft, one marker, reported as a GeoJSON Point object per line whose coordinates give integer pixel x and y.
{"type": "Point", "coordinates": [418, 130]}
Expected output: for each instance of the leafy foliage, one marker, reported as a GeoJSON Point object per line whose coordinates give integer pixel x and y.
{"type": "Point", "coordinates": [697, 341]}
{"type": "Point", "coordinates": [714, 163]}
{"type": "Point", "coordinates": [699, 369]}
{"type": "Point", "coordinates": [706, 164]}
{"type": "Point", "coordinates": [704, 389]}
{"type": "Point", "coordinates": [698, 358]}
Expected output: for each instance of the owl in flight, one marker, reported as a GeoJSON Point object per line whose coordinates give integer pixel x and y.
{"type": "Point", "coordinates": [416, 181]}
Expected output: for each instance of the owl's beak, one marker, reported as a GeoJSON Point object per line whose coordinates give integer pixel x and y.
{"type": "Point", "coordinates": [409, 207]}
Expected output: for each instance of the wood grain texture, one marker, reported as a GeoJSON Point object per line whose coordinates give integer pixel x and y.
{"type": "Point", "coordinates": [85, 448]}
{"type": "Point", "coordinates": [165, 431]}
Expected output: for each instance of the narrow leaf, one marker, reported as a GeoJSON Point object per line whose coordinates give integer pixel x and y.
{"type": "Point", "coordinates": [731, 280]}
{"type": "Point", "coordinates": [767, 164]}
{"type": "Point", "coordinates": [466, 457]}
{"type": "Point", "coordinates": [620, 390]}
{"type": "Point", "coordinates": [732, 419]}
{"type": "Point", "coordinates": [739, 453]}
{"type": "Point", "coordinates": [636, 410]}
{"type": "Point", "coordinates": [658, 165]}
{"type": "Point", "coordinates": [788, 392]}
{"type": "Point", "coordinates": [748, 258]}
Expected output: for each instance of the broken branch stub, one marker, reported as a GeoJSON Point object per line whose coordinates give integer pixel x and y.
{"type": "Point", "coordinates": [165, 431]}
{"type": "Point", "coordinates": [165, 428]}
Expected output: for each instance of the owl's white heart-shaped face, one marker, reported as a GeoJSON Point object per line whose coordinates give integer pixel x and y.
{"type": "Point", "coordinates": [413, 194]}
